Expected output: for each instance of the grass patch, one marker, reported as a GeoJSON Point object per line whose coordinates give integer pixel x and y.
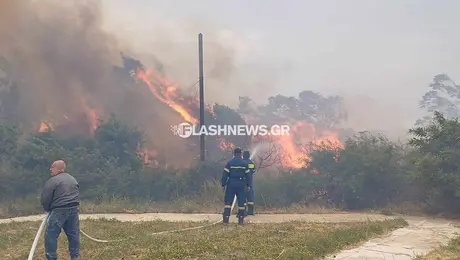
{"type": "Point", "coordinates": [290, 240]}
{"type": "Point", "coordinates": [449, 252]}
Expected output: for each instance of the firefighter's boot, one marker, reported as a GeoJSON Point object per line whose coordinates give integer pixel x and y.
{"type": "Point", "coordinates": [225, 219]}
{"type": "Point", "coordinates": [240, 220]}
{"type": "Point", "coordinates": [251, 209]}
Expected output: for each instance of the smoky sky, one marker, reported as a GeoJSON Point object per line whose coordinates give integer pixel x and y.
{"type": "Point", "coordinates": [380, 55]}
{"type": "Point", "coordinates": [383, 53]}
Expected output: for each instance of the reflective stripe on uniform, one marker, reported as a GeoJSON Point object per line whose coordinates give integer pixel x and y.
{"type": "Point", "coordinates": [237, 167]}
{"type": "Point", "coordinates": [251, 166]}
{"type": "Point", "coordinates": [250, 203]}
{"type": "Point", "coordinates": [228, 206]}
{"type": "Point", "coordinates": [241, 207]}
{"type": "Point", "coordinates": [227, 170]}
{"type": "Point", "coordinates": [247, 171]}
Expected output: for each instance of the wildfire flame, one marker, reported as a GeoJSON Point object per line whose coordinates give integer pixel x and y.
{"type": "Point", "coordinates": [302, 133]}
{"type": "Point", "coordinates": [225, 145]}
{"type": "Point", "coordinates": [292, 146]}
{"type": "Point", "coordinates": [44, 127]}
{"type": "Point", "coordinates": [164, 91]}
{"type": "Point", "coordinates": [294, 155]}
{"type": "Point", "coordinates": [92, 118]}
{"type": "Point", "coordinates": [147, 154]}
{"type": "Point", "coordinates": [211, 110]}
{"type": "Point", "coordinates": [292, 151]}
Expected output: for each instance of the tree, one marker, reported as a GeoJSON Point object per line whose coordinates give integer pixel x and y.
{"type": "Point", "coordinates": [309, 106]}
{"type": "Point", "coordinates": [121, 142]}
{"type": "Point", "coordinates": [9, 136]}
{"type": "Point", "coordinates": [280, 109]}
{"type": "Point", "coordinates": [246, 106]}
{"type": "Point", "coordinates": [327, 112]}
{"type": "Point", "coordinates": [220, 145]}
{"type": "Point", "coordinates": [443, 96]}
{"type": "Point", "coordinates": [438, 161]}
{"type": "Point", "coordinates": [9, 96]}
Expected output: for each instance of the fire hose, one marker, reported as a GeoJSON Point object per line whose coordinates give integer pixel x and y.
{"type": "Point", "coordinates": [37, 236]}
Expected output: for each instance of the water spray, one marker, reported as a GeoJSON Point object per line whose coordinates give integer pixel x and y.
{"type": "Point", "coordinates": [257, 148]}
{"type": "Point", "coordinates": [254, 151]}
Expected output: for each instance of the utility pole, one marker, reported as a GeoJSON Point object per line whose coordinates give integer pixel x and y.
{"type": "Point", "coordinates": [201, 79]}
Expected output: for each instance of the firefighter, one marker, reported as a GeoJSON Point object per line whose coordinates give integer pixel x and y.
{"type": "Point", "coordinates": [236, 179]}
{"type": "Point", "coordinates": [250, 195]}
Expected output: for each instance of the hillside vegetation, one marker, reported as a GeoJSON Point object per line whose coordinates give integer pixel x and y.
{"type": "Point", "coordinates": [368, 172]}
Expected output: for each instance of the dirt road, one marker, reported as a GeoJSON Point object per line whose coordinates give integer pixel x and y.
{"type": "Point", "coordinates": [422, 234]}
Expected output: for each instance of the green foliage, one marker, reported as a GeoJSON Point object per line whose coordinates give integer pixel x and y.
{"type": "Point", "coordinates": [120, 142]}
{"type": "Point", "coordinates": [438, 162]}
{"type": "Point", "coordinates": [367, 173]}
{"type": "Point", "coordinates": [9, 136]}
{"type": "Point", "coordinates": [104, 165]}
{"type": "Point", "coordinates": [289, 188]}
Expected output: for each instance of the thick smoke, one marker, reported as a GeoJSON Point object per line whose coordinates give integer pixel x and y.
{"type": "Point", "coordinates": [381, 115]}
{"type": "Point", "coordinates": [63, 63]}
{"type": "Point", "coordinates": [59, 56]}
{"type": "Point", "coordinates": [229, 66]}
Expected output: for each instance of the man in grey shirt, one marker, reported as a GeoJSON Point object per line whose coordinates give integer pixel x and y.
{"type": "Point", "coordinates": [60, 198]}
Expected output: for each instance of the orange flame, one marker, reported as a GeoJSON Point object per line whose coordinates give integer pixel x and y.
{"type": "Point", "coordinates": [211, 110]}
{"type": "Point", "coordinates": [165, 92]}
{"type": "Point", "coordinates": [224, 145]}
{"type": "Point", "coordinates": [302, 133]}
{"type": "Point", "coordinates": [44, 127]}
{"type": "Point", "coordinates": [92, 118]}
{"type": "Point", "coordinates": [147, 154]}
{"type": "Point", "coordinates": [293, 154]}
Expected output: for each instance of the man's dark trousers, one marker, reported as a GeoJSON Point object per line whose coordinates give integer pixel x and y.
{"type": "Point", "coordinates": [67, 219]}
{"type": "Point", "coordinates": [238, 188]}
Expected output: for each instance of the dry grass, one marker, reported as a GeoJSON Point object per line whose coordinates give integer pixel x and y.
{"type": "Point", "coordinates": [290, 240]}
{"type": "Point", "coordinates": [31, 206]}
{"type": "Point", "coordinates": [405, 208]}
{"type": "Point", "coordinates": [448, 252]}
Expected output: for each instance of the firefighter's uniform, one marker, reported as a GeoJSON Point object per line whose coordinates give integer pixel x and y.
{"type": "Point", "coordinates": [236, 179]}
{"type": "Point", "coordinates": [250, 195]}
